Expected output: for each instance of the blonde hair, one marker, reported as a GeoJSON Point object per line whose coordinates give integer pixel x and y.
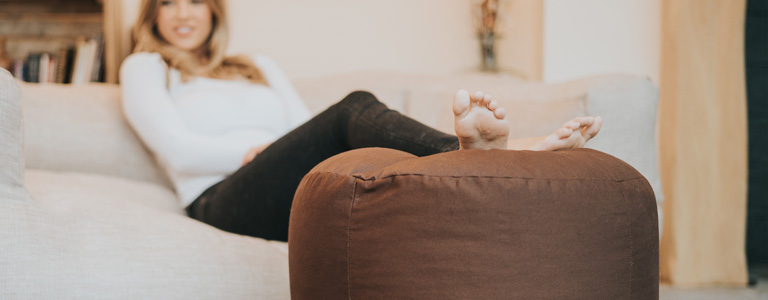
{"type": "Point", "coordinates": [213, 63]}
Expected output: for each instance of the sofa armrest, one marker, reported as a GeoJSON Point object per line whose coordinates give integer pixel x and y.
{"type": "Point", "coordinates": [629, 108]}
{"type": "Point", "coordinates": [11, 139]}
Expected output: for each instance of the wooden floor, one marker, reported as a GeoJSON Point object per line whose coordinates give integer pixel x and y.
{"type": "Point", "coordinates": [758, 291]}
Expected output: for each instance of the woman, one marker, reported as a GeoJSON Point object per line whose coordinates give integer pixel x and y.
{"type": "Point", "coordinates": [220, 125]}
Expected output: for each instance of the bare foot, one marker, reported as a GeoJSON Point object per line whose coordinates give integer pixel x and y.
{"type": "Point", "coordinates": [573, 134]}
{"type": "Point", "coordinates": [479, 122]}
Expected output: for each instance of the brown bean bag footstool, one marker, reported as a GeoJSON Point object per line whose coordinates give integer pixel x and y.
{"type": "Point", "coordinates": [478, 224]}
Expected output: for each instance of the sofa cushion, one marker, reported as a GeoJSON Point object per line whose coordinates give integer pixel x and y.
{"type": "Point", "coordinates": [81, 128]}
{"type": "Point", "coordinates": [89, 242]}
{"type": "Point", "coordinates": [72, 190]}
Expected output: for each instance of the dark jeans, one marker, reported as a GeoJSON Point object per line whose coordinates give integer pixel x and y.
{"type": "Point", "coordinates": [256, 199]}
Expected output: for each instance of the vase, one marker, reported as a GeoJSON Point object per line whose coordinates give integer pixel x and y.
{"type": "Point", "coordinates": [488, 52]}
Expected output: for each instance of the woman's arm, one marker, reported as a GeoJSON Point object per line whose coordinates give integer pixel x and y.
{"type": "Point", "coordinates": [153, 115]}
{"type": "Point", "coordinates": [298, 113]}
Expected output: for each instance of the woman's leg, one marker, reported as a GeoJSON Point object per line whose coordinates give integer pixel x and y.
{"type": "Point", "coordinates": [256, 200]}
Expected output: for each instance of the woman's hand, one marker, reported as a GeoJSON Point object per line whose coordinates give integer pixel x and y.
{"type": "Point", "coordinates": [252, 153]}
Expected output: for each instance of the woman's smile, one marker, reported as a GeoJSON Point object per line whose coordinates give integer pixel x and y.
{"type": "Point", "coordinates": [185, 24]}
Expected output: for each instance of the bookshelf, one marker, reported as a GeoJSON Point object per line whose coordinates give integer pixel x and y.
{"type": "Point", "coordinates": [53, 41]}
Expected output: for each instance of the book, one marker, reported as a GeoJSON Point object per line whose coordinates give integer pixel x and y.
{"type": "Point", "coordinates": [86, 68]}
{"type": "Point", "coordinates": [68, 65]}
{"type": "Point", "coordinates": [52, 68]}
{"type": "Point", "coordinates": [80, 64]}
{"type": "Point", "coordinates": [90, 60]}
{"type": "Point", "coordinates": [18, 69]}
{"type": "Point", "coordinates": [33, 67]}
{"type": "Point", "coordinates": [61, 65]}
{"type": "Point", "coordinates": [98, 53]}
{"type": "Point", "coordinates": [42, 72]}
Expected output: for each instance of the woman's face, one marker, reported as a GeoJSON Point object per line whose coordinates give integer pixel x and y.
{"type": "Point", "coordinates": [185, 24]}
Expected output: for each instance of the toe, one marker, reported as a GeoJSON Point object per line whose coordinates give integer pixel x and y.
{"type": "Point", "coordinates": [586, 121]}
{"type": "Point", "coordinates": [477, 96]}
{"type": "Point", "coordinates": [486, 100]}
{"type": "Point", "coordinates": [461, 103]}
{"type": "Point", "coordinates": [493, 105]}
{"type": "Point", "coordinates": [573, 125]}
{"type": "Point", "coordinates": [564, 132]}
{"type": "Point", "coordinates": [593, 128]}
{"type": "Point", "coordinates": [500, 113]}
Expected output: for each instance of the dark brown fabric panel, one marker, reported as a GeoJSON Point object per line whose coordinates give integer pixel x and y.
{"type": "Point", "coordinates": [362, 161]}
{"type": "Point", "coordinates": [318, 229]}
{"type": "Point", "coordinates": [422, 237]}
{"type": "Point", "coordinates": [317, 237]}
{"type": "Point", "coordinates": [643, 218]}
{"type": "Point", "coordinates": [381, 224]}
{"type": "Point", "coordinates": [381, 162]}
{"type": "Point", "coordinates": [581, 164]}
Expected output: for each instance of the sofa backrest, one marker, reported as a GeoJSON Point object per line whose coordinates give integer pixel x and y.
{"type": "Point", "coordinates": [627, 103]}
{"type": "Point", "coordinates": [81, 128]}
{"type": "Point", "coordinates": [91, 134]}
{"type": "Point", "coordinates": [533, 108]}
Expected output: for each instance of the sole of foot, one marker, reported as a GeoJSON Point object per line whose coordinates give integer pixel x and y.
{"type": "Point", "coordinates": [479, 122]}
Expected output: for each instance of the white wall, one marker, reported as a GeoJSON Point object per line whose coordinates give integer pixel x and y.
{"type": "Point", "coordinates": [588, 37]}
{"type": "Point", "coordinates": [310, 37]}
{"type": "Point", "coordinates": [580, 38]}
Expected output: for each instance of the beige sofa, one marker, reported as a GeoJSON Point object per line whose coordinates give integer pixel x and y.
{"type": "Point", "coordinates": [85, 213]}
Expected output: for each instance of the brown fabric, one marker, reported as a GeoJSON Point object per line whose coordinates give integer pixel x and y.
{"type": "Point", "coordinates": [382, 224]}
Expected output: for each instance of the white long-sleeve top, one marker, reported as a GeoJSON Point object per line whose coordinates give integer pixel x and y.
{"type": "Point", "coordinates": [200, 130]}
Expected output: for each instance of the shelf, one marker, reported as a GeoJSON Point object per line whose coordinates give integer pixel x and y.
{"type": "Point", "coordinates": [48, 26]}
{"type": "Point", "coordinates": [37, 29]}
{"type": "Point", "coordinates": [52, 17]}
{"type": "Point", "coordinates": [50, 6]}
